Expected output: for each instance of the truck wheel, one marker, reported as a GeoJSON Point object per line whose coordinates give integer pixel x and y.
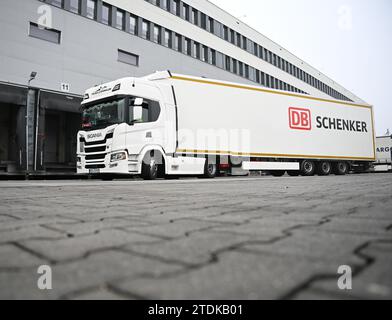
{"type": "Point", "coordinates": [324, 168]}
{"type": "Point", "coordinates": [308, 168]}
{"type": "Point", "coordinates": [150, 167]}
{"type": "Point", "coordinates": [293, 173]}
{"type": "Point", "coordinates": [340, 168]}
{"type": "Point", "coordinates": [210, 170]}
{"type": "Point", "coordinates": [278, 173]}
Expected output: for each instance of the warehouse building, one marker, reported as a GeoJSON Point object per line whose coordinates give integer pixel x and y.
{"type": "Point", "coordinates": [53, 50]}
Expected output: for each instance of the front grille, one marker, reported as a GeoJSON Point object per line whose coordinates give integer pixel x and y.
{"type": "Point", "coordinates": [96, 157]}
{"type": "Point", "coordinates": [95, 166]}
{"type": "Point", "coordinates": [95, 149]}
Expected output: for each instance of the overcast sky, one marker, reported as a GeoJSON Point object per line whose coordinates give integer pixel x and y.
{"type": "Point", "coordinates": [349, 41]}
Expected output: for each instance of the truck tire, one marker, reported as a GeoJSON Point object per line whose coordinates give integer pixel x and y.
{"type": "Point", "coordinates": [324, 168]}
{"type": "Point", "coordinates": [210, 170]}
{"type": "Point", "coordinates": [293, 173]}
{"type": "Point", "coordinates": [150, 166]}
{"type": "Point", "coordinates": [308, 168]}
{"type": "Point", "coordinates": [340, 168]}
{"type": "Point", "coordinates": [278, 173]}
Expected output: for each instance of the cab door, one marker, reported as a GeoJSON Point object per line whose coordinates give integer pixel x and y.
{"type": "Point", "coordinates": [148, 128]}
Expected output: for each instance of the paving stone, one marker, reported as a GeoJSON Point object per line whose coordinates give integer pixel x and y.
{"type": "Point", "coordinates": [28, 233]}
{"type": "Point", "coordinates": [13, 257]}
{"type": "Point", "coordinates": [74, 248]}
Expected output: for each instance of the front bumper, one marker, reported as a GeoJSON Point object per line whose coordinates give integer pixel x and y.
{"type": "Point", "coordinates": [125, 167]}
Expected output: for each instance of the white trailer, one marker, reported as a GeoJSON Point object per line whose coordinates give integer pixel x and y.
{"type": "Point", "coordinates": [168, 124]}
{"type": "Point", "coordinates": [383, 161]}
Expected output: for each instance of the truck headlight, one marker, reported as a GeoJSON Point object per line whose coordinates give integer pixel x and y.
{"type": "Point", "coordinates": [118, 156]}
{"type": "Point", "coordinates": [78, 159]}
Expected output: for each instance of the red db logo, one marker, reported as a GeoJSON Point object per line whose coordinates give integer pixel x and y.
{"type": "Point", "coordinates": [300, 119]}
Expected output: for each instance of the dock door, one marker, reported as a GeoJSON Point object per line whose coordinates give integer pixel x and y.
{"type": "Point", "coordinates": [59, 122]}
{"type": "Point", "coordinates": [12, 129]}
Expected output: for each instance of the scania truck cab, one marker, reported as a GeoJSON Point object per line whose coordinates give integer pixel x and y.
{"type": "Point", "coordinates": [129, 127]}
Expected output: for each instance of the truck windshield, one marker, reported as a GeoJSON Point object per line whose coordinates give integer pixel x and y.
{"type": "Point", "coordinates": [103, 114]}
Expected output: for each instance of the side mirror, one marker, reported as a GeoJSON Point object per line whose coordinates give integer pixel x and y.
{"type": "Point", "coordinates": [137, 114]}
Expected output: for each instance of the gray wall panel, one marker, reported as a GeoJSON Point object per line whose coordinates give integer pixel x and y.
{"type": "Point", "coordinates": [87, 54]}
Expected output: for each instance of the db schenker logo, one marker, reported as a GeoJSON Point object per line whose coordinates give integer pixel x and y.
{"type": "Point", "coordinates": [300, 119]}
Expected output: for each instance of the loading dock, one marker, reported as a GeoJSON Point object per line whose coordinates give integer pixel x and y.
{"type": "Point", "coordinates": [53, 120]}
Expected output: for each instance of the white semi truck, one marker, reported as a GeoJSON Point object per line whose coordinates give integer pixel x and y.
{"type": "Point", "coordinates": [167, 124]}
{"type": "Point", "coordinates": [383, 154]}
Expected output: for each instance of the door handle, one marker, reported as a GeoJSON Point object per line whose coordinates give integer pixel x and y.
{"type": "Point", "coordinates": [149, 134]}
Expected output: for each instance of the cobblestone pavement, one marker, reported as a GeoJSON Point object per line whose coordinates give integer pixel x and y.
{"type": "Point", "coordinates": [238, 238]}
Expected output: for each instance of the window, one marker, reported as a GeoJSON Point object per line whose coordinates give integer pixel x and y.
{"type": "Point", "coordinates": [185, 12]}
{"type": "Point", "coordinates": [226, 33]}
{"type": "Point", "coordinates": [46, 34]}
{"type": "Point", "coordinates": [75, 6]}
{"type": "Point", "coordinates": [177, 43]}
{"type": "Point", "coordinates": [232, 36]}
{"type": "Point", "coordinates": [151, 111]}
{"type": "Point", "coordinates": [235, 69]}
{"type": "Point", "coordinates": [187, 45]}
{"type": "Point", "coordinates": [106, 14]}
{"type": "Point", "coordinates": [241, 69]}
{"type": "Point", "coordinates": [211, 25]}
{"type": "Point", "coordinates": [203, 21]}
{"type": "Point", "coordinates": [204, 54]}
{"type": "Point", "coordinates": [238, 40]}
{"type": "Point", "coordinates": [176, 7]}
{"type": "Point", "coordinates": [157, 34]}
{"type": "Point", "coordinates": [128, 58]}
{"type": "Point", "coordinates": [168, 39]}
{"type": "Point", "coordinates": [120, 20]}
{"type": "Point", "coordinates": [57, 3]}
{"type": "Point", "coordinates": [133, 24]}
{"type": "Point", "coordinates": [244, 43]}
{"type": "Point", "coordinates": [246, 71]}
{"type": "Point", "coordinates": [91, 9]}
{"type": "Point", "coordinates": [257, 76]}
{"type": "Point", "coordinates": [165, 5]}
{"type": "Point", "coordinates": [196, 50]}
{"type": "Point", "coordinates": [228, 63]}
{"type": "Point", "coordinates": [213, 57]}
{"type": "Point", "coordinates": [145, 30]}
{"type": "Point", "coordinates": [262, 78]}
{"type": "Point", "coordinates": [273, 59]}
{"type": "Point", "coordinates": [267, 80]}
{"type": "Point", "coordinates": [195, 17]}
{"type": "Point", "coordinates": [256, 49]}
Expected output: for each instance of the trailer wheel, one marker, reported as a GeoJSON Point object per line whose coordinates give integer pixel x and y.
{"type": "Point", "coordinates": [293, 173]}
{"type": "Point", "coordinates": [340, 168]}
{"type": "Point", "coordinates": [324, 168]}
{"type": "Point", "coordinates": [308, 168]}
{"type": "Point", "coordinates": [150, 166]}
{"type": "Point", "coordinates": [210, 170]}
